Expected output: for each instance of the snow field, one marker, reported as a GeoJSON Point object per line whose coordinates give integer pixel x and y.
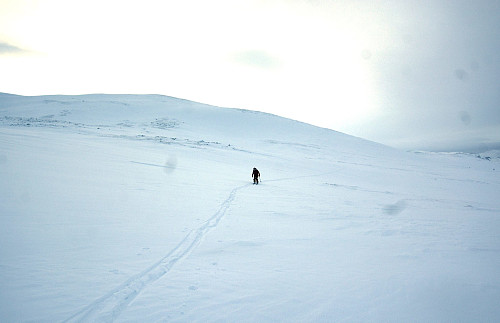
{"type": "Point", "coordinates": [141, 208]}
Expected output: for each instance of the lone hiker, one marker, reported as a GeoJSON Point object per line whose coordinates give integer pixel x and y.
{"type": "Point", "coordinates": [255, 175]}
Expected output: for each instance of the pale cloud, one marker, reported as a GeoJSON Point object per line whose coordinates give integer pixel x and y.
{"type": "Point", "coordinates": [257, 58]}
{"type": "Point", "coordinates": [7, 49]}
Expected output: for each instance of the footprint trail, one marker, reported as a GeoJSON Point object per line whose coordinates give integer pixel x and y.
{"type": "Point", "coordinates": [110, 306]}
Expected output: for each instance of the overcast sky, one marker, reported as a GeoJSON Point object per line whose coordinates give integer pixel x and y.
{"type": "Point", "coordinates": [415, 74]}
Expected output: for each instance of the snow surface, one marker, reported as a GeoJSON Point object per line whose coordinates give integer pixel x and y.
{"type": "Point", "coordinates": [141, 208]}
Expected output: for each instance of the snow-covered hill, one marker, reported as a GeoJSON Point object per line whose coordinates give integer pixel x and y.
{"type": "Point", "coordinates": [141, 208]}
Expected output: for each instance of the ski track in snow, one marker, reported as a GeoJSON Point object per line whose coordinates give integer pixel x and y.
{"type": "Point", "coordinates": [110, 306]}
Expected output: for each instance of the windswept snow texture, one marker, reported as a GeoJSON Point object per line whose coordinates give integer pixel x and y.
{"type": "Point", "coordinates": [142, 209]}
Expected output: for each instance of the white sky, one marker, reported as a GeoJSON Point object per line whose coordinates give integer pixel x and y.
{"type": "Point", "coordinates": [414, 74]}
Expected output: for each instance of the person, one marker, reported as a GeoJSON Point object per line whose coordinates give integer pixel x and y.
{"type": "Point", "coordinates": [255, 175]}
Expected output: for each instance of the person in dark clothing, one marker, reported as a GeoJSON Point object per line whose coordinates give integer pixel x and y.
{"type": "Point", "coordinates": [255, 175]}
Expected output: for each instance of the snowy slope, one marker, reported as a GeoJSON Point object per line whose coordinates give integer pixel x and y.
{"type": "Point", "coordinates": [140, 208]}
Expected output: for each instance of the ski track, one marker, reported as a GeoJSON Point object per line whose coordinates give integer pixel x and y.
{"type": "Point", "coordinates": [110, 306]}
